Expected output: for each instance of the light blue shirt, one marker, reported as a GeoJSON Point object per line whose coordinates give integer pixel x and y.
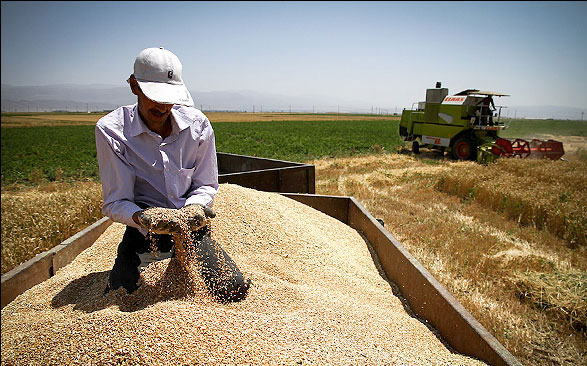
{"type": "Point", "coordinates": [137, 165]}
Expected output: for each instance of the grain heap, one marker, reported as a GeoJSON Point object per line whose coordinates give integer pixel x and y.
{"type": "Point", "coordinates": [196, 252]}
{"type": "Point", "coordinates": [317, 298]}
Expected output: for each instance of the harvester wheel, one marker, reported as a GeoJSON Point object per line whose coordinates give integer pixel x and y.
{"type": "Point", "coordinates": [415, 147]}
{"type": "Point", "coordinates": [464, 149]}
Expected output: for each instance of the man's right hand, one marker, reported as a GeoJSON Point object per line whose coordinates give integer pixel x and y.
{"type": "Point", "coordinates": [161, 226]}
{"type": "Point", "coordinates": [141, 218]}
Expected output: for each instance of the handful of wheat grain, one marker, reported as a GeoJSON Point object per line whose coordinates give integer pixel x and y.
{"type": "Point", "coordinates": [179, 223]}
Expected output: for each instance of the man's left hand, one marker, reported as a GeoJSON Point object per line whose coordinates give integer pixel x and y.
{"type": "Point", "coordinates": [198, 215]}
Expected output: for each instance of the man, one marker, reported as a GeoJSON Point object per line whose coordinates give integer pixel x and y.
{"type": "Point", "coordinates": [160, 152]}
{"type": "Point", "coordinates": [487, 107]}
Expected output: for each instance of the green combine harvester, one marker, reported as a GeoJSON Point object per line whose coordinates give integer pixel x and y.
{"type": "Point", "coordinates": [466, 125]}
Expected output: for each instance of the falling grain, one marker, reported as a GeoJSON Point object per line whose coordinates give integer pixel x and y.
{"type": "Point", "coordinates": [163, 216]}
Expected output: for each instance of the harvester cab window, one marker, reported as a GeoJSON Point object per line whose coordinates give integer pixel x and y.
{"type": "Point", "coordinates": [484, 112]}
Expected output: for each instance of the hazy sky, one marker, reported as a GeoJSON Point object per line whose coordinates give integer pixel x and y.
{"type": "Point", "coordinates": [383, 53]}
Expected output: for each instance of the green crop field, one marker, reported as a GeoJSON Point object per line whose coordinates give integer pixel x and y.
{"type": "Point", "coordinates": [34, 154]}
{"type": "Point", "coordinates": [37, 152]}
{"type": "Point", "coordinates": [531, 127]}
{"type": "Point", "coordinates": [301, 141]}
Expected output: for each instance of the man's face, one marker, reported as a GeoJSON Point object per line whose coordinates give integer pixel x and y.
{"type": "Point", "coordinates": [154, 114]}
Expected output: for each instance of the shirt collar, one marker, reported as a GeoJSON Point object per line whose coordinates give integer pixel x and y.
{"type": "Point", "coordinates": [179, 118]}
{"type": "Point", "coordinates": [138, 126]}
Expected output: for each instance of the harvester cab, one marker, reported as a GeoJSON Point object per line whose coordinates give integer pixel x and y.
{"type": "Point", "coordinates": [466, 125]}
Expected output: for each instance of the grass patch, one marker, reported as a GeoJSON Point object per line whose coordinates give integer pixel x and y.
{"type": "Point", "coordinates": [563, 294]}
{"type": "Point", "coordinates": [305, 140]}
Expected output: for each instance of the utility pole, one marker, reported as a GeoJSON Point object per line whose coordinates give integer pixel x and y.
{"type": "Point", "coordinates": [582, 113]}
{"type": "Point", "coordinates": [290, 108]}
{"type": "Point", "coordinates": [253, 108]}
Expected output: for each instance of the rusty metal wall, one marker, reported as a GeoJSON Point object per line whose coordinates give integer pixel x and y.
{"type": "Point", "coordinates": [234, 163]}
{"type": "Point", "coordinates": [44, 265]}
{"type": "Point", "coordinates": [266, 174]}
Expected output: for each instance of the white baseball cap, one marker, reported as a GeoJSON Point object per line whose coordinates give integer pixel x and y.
{"type": "Point", "coordinates": [158, 72]}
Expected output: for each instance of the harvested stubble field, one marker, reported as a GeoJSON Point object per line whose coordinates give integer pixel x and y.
{"type": "Point", "coordinates": [317, 298]}
{"type": "Point", "coordinates": [89, 119]}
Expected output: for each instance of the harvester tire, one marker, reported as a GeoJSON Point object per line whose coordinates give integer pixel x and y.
{"type": "Point", "coordinates": [415, 147]}
{"type": "Point", "coordinates": [464, 149]}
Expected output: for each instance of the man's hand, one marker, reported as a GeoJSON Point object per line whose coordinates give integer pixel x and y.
{"type": "Point", "coordinates": [141, 218]}
{"type": "Point", "coordinates": [167, 220]}
{"type": "Point", "coordinates": [159, 225]}
{"type": "Point", "coordinates": [198, 215]}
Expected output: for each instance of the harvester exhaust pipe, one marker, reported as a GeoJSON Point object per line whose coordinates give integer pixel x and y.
{"type": "Point", "coordinates": [438, 84]}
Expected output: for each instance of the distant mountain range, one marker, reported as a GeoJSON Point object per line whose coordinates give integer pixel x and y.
{"type": "Point", "coordinates": [82, 98]}
{"type": "Point", "coordinates": [97, 97]}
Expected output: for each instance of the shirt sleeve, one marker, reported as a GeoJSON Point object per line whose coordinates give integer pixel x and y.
{"type": "Point", "coordinates": [117, 178]}
{"type": "Point", "coordinates": [205, 178]}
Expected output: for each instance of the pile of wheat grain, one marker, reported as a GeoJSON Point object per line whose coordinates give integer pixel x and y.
{"type": "Point", "coordinates": [316, 298]}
